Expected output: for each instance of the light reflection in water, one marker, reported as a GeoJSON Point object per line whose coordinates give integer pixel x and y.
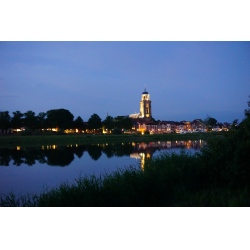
{"type": "Point", "coordinates": [75, 159]}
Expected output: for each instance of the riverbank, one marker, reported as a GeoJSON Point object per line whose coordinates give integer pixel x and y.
{"type": "Point", "coordinates": [168, 180]}
{"type": "Point", "coordinates": [40, 140]}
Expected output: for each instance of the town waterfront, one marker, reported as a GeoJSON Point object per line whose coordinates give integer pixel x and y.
{"type": "Point", "coordinates": [33, 169]}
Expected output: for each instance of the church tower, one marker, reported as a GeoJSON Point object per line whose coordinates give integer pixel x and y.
{"type": "Point", "coordinates": [145, 106]}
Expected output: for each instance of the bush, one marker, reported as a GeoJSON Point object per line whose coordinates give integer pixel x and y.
{"type": "Point", "coordinates": [226, 158]}
{"type": "Point", "coordinates": [117, 131]}
{"type": "Point", "coordinates": [146, 133]}
{"type": "Point", "coordinates": [27, 131]}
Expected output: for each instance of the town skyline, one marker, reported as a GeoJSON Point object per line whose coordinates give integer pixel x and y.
{"type": "Point", "coordinates": [186, 80]}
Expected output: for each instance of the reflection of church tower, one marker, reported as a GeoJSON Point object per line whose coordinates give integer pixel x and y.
{"type": "Point", "coordinates": [144, 157]}
{"type": "Point", "coordinates": [145, 106]}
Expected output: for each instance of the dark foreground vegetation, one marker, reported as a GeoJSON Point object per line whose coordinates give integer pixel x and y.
{"type": "Point", "coordinates": [218, 176]}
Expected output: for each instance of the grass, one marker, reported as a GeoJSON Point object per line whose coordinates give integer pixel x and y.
{"type": "Point", "coordinates": [39, 140]}
{"type": "Point", "coordinates": [167, 180]}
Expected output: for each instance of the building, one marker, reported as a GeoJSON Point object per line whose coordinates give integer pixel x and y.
{"type": "Point", "coordinates": [145, 108]}
{"type": "Point", "coordinates": [143, 121]}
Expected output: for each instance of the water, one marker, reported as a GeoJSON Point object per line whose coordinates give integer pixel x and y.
{"type": "Point", "coordinates": [31, 169]}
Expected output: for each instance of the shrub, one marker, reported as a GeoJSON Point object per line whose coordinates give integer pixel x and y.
{"type": "Point", "coordinates": [146, 133]}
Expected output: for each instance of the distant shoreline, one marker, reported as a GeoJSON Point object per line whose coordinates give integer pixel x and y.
{"type": "Point", "coordinates": [40, 140]}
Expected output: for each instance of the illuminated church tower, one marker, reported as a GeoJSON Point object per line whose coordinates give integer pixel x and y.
{"type": "Point", "coordinates": [145, 106]}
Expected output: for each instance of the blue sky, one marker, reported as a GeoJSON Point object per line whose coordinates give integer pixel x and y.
{"type": "Point", "coordinates": [185, 80]}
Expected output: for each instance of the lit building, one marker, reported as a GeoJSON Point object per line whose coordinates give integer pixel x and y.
{"type": "Point", "coordinates": [145, 108]}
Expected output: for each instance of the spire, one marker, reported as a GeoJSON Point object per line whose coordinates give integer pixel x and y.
{"type": "Point", "coordinates": [145, 88]}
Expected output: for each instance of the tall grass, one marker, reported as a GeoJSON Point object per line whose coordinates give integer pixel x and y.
{"type": "Point", "coordinates": [167, 180]}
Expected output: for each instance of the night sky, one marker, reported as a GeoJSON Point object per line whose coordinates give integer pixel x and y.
{"type": "Point", "coordinates": [185, 80]}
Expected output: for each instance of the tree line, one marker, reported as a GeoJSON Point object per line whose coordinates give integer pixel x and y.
{"type": "Point", "coordinates": [61, 119]}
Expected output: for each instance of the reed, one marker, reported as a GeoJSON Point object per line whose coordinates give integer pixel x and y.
{"type": "Point", "coordinates": [167, 180]}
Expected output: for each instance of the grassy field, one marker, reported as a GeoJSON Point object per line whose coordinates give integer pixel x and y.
{"type": "Point", "coordinates": [39, 140]}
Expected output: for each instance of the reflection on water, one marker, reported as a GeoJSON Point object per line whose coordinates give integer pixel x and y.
{"type": "Point", "coordinates": [53, 155]}
{"type": "Point", "coordinates": [82, 159]}
{"type": "Point", "coordinates": [145, 151]}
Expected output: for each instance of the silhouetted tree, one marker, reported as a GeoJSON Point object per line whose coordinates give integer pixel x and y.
{"type": "Point", "coordinates": [118, 121]}
{"type": "Point", "coordinates": [60, 118]}
{"type": "Point", "coordinates": [4, 120]}
{"type": "Point", "coordinates": [127, 123]}
{"type": "Point", "coordinates": [30, 120]}
{"type": "Point", "coordinates": [210, 122]}
{"type": "Point", "coordinates": [78, 123]}
{"type": "Point", "coordinates": [41, 120]}
{"type": "Point", "coordinates": [17, 120]}
{"type": "Point", "coordinates": [94, 122]}
{"type": "Point", "coordinates": [108, 123]}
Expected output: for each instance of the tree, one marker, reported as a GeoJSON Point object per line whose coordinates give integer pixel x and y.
{"type": "Point", "coordinates": [30, 120]}
{"type": "Point", "coordinates": [234, 125]}
{"type": "Point", "coordinates": [108, 123]}
{"type": "Point", "coordinates": [118, 121]}
{"type": "Point", "coordinates": [17, 120]}
{"type": "Point", "coordinates": [94, 122]}
{"type": "Point", "coordinates": [4, 120]}
{"type": "Point", "coordinates": [247, 111]}
{"type": "Point", "coordinates": [220, 124]}
{"type": "Point", "coordinates": [210, 122]}
{"type": "Point", "coordinates": [60, 118]}
{"type": "Point", "coordinates": [41, 120]}
{"type": "Point", "coordinates": [127, 123]}
{"type": "Point", "coordinates": [121, 122]}
{"type": "Point", "coordinates": [78, 123]}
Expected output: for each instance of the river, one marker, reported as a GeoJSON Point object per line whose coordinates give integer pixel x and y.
{"type": "Point", "coordinates": [32, 169]}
